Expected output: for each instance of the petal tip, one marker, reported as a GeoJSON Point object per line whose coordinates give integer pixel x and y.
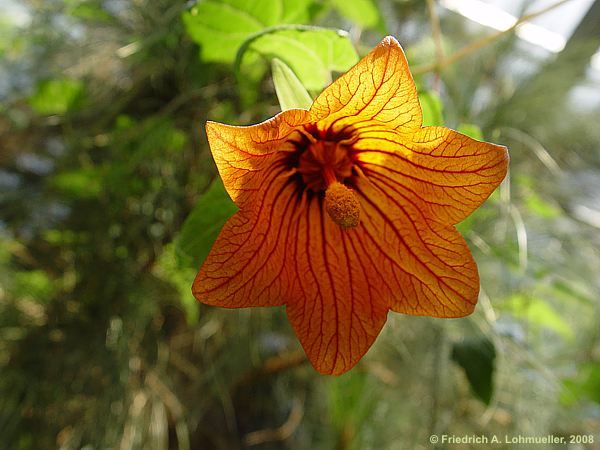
{"type": "Point", "coordinates": [211, 128]}
{"type": "Point", "coordinates": [466, 307]}
{"type": "Point", "coordinates": [390, 41]}
{"type": "Point", "coordinates": [197, 291]}
{"type": "Point", "coordinates": [505, 156]}
{"type": "Point", "coordinates": [326, 368]}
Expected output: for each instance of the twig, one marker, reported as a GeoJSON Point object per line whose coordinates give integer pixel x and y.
{"type": "Point", "coordinates": [281, 433]}
{"type": "Point", "coordinates": [175, 407]}
{"type": "Point", "coordinates": [521, 236]}
{"type": "Point", "coordinates": [272, 366]}
{"type": "Point", "coordinates": [437, 39]}
{"type": "Point", "coordinates": [185, 366]}
{"type": "Point", "coordinates": [536, 146]}
{"type": "Point", "coordinates": [477, 45]}
{"type": "Point", "coordinates": [380, 371]}
{"type": "Point", "coordinates": [440, 356]}
{"type": "Point", "coordinates": [166, 395]}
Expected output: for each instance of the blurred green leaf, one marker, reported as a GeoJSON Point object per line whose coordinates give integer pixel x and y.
{"type": "Point", "coordinates": [363, 12]}
{"type": "Point", "coordinates": [167, 268]}
{"type": "Point", "coordinates": [471, 130]}
{"type": "Point", "coordinates": [586, 385]}
{"type": "Point", "coordinates": [7, 35]}
{"type": "Point", "coordinates": [477, 357]}
{"type": "Point", "coordinates": [538, 313]}
{"type": "Point", "coordinates": [35, 284]}
{"type": "Point", "coordinates": [159, 137]}
{"type": "Point", "coordinates": [345, 395]}
{"type": "Point", "coordinates": [352, 402]}
{"type": "Point", "coordinates": [312, 53]}
{"type": "Point", "coordinates": [124, 122]}
{"type": "Point", "coordinates": [290, 91]}
{"type": "Point", "coordinates": [61, 237]}
{"type": "Point", "coordinates": [56, 96]}
{"type": "Point", "coordinates": [542, 208]}
{"type": "Point", "coordinates": [533, 201]}
{"type": "Point", "coordinates": [87, 10]}
{"type": "Point", "coordinates": [569, 290]}
{"type": "Point", "coordinates": [83, 183]}
{"type": "Point", "coordinates": [432, 107]}
{"type": "Point", "coordinates": [202, 226]}
{"type": "Point", "coordinates": [220, 27]}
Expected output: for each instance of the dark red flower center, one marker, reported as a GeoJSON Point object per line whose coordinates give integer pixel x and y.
{"type": "Point", "coordinates": [324, 162]}
{"type": "Point", "coordinates": [326, 166]}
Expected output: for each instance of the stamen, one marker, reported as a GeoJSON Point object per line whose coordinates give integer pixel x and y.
{"type": "Point", "coordinates": [329, 176]}
{"type": "Point", "coordinates": [342, 205]}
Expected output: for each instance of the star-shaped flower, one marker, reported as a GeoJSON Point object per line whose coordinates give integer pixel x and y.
{"type": "Point", "coordinates": [347, 211]}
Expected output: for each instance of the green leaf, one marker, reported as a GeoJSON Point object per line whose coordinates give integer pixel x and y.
{"type": "Point", "coordinates": [35, 284]}
{"type": "Point", "coordinates": [202, 226]}
{"type": "Point", "coordinates": [255, 68]}
{"type": "Point", "coordinates": [538, 313]}
{"type": "Point", "coordinates": [220, 27]}
{"type": "Point", "coordinates": [56, 96]}
{"type": "Point", "coordinates": [290, 91]}
{"type": "Point", "coordinates": [159, 136]}
{"type": "Point", "coordinates": [352, 400]}
{"type": "Point", "coordinates": [542, 208]}
{"type": "Point", "coordinates": [168, 269]}
{"type": "Point", "coordinates": [363, 12]}
{"type": "Point", "coordinates": [87, 10]}
{"type": "Point", "coordinates": [471, 130]}
{"type": "Point", "coordinates": [477, 357]}
{"type": "Point", "coordinates": [586, 385]}
{"type": "Point", "coordinates": [569, 290]}
{"type": "Point", "coordinates": [312, 53]}
{"type": "Point", "coordinates": [78, 184]}
{"type": "Point", "coordinates": [432, 107]}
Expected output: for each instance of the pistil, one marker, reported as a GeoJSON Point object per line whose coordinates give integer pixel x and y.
{"type": "Point", "coordinates": [341, 203]}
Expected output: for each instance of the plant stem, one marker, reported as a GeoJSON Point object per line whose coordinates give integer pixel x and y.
{"type": "Point", "coordinates": [477, 45]}
{"type": "Point", "coordinates": [436, 31]}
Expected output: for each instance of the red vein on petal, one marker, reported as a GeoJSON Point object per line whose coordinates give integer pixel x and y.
{"type": "Point", "coordinates": [426, 168]}
{"type": "Point", "coordinates": [255, 253]}
{"type": "Point", "coordinates": [275, 175]}
{"type": "Point", "coordinates": [335, 336]}
{"type": "Point", "coordinates": [409, 249]}
{"type": "Point", "coordinates": [419, 234]}
{"type": "Point", "coordinates": [448, 213]}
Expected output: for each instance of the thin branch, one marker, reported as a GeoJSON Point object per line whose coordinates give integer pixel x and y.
{"type": "Point", "coordinates": [185, 366]}
{"type": "Point", "coordinates": [440, 355]}
{"type": "Point", "coordinates": [536, 147]}
{"type": "Point", "coordinates": [166, 395]}
{"type": "Point", "coordinates": [521, 237]}
{"type": "Point", "coordinates": [281, 433]}
{"type": "Point", "coordinates": [272, 366]}
{"type": "Point", "coordinates": [436, 31]}
{"type": "Point", "coordinates": [477, 45]}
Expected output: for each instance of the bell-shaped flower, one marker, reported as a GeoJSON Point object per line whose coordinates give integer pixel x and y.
{"type": "Point", "coordinates": [347, 211]}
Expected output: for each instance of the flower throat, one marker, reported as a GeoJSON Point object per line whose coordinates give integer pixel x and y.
{"type": "Point", "coordinates": [324, 166]}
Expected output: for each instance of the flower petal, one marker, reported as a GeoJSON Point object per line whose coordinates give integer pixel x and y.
{"type": "Point", "coordinates": [378, 88]}
{"type": "Point", "coordinates": [445, 174]}
{"type": "Point", "coordinates": [247, 265]}
{"type": "Point", "coordinates": [336, 313]}
{"type": "Point", "coordinates": [426, 266]}
{"type": "Point", "coordinates": [244, 154]}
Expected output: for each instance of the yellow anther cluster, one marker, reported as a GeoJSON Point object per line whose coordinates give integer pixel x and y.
{"type": "Point", "coordinates": [342, 205]}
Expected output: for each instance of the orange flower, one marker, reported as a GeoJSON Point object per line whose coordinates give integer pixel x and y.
{"type": "Point", "coordinates": [346, 211]}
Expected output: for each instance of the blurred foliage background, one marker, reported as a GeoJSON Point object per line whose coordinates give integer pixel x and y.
{"type": "Point", "coordinates": [109, 203]}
